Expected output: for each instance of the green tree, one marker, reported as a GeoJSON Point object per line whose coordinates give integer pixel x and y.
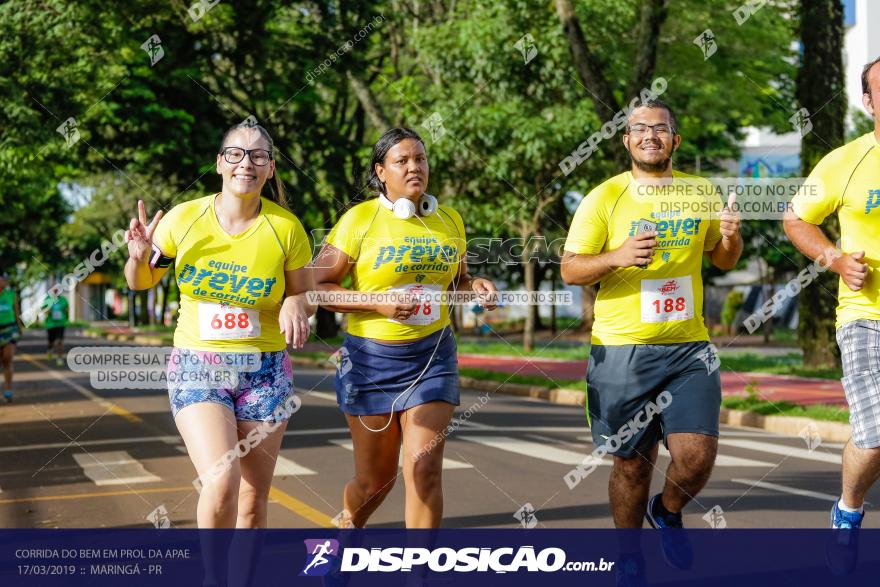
{"type": "Point", "coordinates": [820, 90]}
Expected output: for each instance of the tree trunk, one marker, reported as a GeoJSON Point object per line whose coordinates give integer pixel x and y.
{"type": "Point", "coordinates": [369, 102]}
{"type": "Point", "coordinates": [534, 309]}
{"type": "Point", "coordinates": [529, 328]}
{"type": "Point", "coordinates": [820, 86]}
{"type": "Point", "coordinates": [591, 72]}
{"type": "Point", "coordinates": [325, 324]}
{"type": "Point", "coordinates": [143, 308]}
{"type": "Point", "coordinates": [588, 301]}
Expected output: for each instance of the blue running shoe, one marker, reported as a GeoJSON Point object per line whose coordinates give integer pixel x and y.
{"type": "Point", "coordinates": [677, 549]}
{"type": "Point", "coordinates": [630, 570]}
{"type": "Point", "coordinates": [7, 395]}
{"type": "Point", "coordinates": [842, 549]}
{"type": "Point", "coordinates": [841, 520]}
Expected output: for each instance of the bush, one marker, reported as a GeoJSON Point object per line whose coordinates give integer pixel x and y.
{"type": "Point", "coordinates": [732, 303]}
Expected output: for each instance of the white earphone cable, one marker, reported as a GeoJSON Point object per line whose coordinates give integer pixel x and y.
{"type": "Point", "coordinates": [439, 339]}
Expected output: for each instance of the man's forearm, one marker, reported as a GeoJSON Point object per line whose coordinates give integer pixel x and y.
{"type": "Point", "coordinates": [808, 238]}
{"type": "Point", "coordinates": [727, 252]}
{"type": "Point", "coordinates": [586, 269]}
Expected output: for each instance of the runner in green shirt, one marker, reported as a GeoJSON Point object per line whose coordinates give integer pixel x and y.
{"type": "Point", "coordinates": [10, 332]}
{"type": "Point", "coordinates": [56, 321]}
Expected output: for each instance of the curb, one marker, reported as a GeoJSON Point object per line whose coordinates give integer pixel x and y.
{"type": "Point", "coordinates": [786, 425]}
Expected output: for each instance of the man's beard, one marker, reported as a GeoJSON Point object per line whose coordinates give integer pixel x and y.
{"type": "Point", "coordinates": [661, 165]}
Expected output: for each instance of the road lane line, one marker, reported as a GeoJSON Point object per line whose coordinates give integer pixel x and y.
{"type": "Point", "coordinates": [285, 466]}
{"type": "Point", "coordinates": [727, 461]}
{"type": "Point", "coordinates": [300, 508]}
{"type": "Point", "coordinates": [817, 455]}
{"type": "Point", "coordinates": [785, 489]}
{"type": "Point", "coordinates": [325, 395]}
{"type": "Point", "coordinates": [97, 494]}
{"type": "Point", "coordinates": [535, 450]}
{"type": "Point", "coordinates": [139, 439]}
{"type": "Point", "coordinates": [84, 391]}
{"type": "Point", "coordinates": [448, 464]}
{"type": "Point", "coordinates": [115, 467]}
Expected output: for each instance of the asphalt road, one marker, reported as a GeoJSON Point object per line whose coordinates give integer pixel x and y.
{"type": "Point", "coordinates": [75, 456]}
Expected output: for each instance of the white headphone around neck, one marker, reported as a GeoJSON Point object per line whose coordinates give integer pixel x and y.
{"type": "Point", "coordinates": [404, 209]}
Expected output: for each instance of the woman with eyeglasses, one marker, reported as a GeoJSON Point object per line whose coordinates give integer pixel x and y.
{"type": "Point", "coordinates": [240, 263]}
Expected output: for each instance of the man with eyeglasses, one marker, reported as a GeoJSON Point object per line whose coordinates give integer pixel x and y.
{"type": "Point", "coordinates": [653, 374]}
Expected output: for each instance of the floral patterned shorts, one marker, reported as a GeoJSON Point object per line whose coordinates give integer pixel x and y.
{"type": "Point", "coordinates": [255, 386]}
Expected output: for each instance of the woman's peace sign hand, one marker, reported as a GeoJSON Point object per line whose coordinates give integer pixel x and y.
{"type": "Point", "coordinates": [139, 235]}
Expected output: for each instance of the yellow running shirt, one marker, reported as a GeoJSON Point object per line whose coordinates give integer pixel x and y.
{"type": "Point", "coordinates": [390, 253]}
{"type": "Point", "coordinates": [231, 287]}
{"type": "Point", "coordinates": [847, 181]}
{"type": "Point", "coordinates": [663, 303]}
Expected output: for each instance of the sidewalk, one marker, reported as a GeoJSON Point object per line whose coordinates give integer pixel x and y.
{"type": "Point", "coordinates": [799, 390]}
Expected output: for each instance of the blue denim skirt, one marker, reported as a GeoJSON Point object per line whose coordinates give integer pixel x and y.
{"type": "Point", "coordinates": [375, 378]}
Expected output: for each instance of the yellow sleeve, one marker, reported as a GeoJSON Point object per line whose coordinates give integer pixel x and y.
{"type": "Point", "coordinates": [589, 227]}
{"type": "Point", "coordinates": [164, 237]}
{"type": "Point", "coordinates": [457, 232]}
{"type": "Point", "coordinates": [347, 233]}
{"type": "Point", "coordinates": [820, 195]}
{"type": "Point", "coordinates": [299, 250]}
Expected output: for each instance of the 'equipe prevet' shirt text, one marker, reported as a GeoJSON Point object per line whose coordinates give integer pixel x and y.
{"type": "Point", "coordinates": [231, 287]}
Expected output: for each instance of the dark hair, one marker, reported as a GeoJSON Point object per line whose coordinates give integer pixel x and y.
{"type": "Point", "coordinates": [276, 188]}
{"type": "Point", "coordinates": [655, 103]}
{"type": "Point", "coordinates": [388, 139]}
{"type": "Point", "coordinates": [865, 72]}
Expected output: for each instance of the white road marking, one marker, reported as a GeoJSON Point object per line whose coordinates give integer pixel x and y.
{"type": "Point", "coordinates": [785, 489]}
{"type": "Point", "coordinates": [284, 466]}
{"type": "Point", "coordinates": [535, 450]}
{"type": "Point", "coordinates": [817, 455]}
{"type": "Point", "coordinates": [113, 468]}
{"type": "Point", "coordinates": [140, 439]}
{"type": "Point", "coordinates": [448, 464]}
{"type": "Point", "coordinates": [727, 461]}
{"type": "Point", "coordinates": [325, 395]}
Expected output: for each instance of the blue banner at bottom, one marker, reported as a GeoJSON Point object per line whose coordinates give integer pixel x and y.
{"type": "Point", "coordinates": [268, 558]}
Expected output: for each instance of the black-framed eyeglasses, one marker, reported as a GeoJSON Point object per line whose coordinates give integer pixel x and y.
{"type": "Point", "coordinates": [642, 129]}
{"type": "Point", "coordinates": [259, 157]}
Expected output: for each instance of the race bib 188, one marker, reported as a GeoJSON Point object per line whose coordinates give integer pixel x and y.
{"type": "Point", "coordinates": [222, 322]}
{"type": "Point", "coordinates": [667, 300]}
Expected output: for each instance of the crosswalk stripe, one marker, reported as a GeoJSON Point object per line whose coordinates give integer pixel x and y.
{"type": "Point", "coordinates": [785, 489]}
{"type": "Point", "coordinates": [535, 450]}
{"type": "Point", "coordinates": [817, 455]}
{"type": "Point", "coordinates": [448, 464]}
{"type": "Point", "coordinates": [727, 461]}
{"type": "Point", "coordinates": [284, 466]}
{"type": "Point", "coordinates": [115, 467]}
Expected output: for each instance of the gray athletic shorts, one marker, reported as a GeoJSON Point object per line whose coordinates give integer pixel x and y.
{"type": "Point", "coordinates": [859, 343]}
{"type": "Point", "coordinates": [637, 394]}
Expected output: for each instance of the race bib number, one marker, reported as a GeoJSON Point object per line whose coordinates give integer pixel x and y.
{"type": "Point", "coordinates": [222, 322]}
{"type": "Point", "coordinates": [428, 309]}
{"type": "Point", "coordinates": [57, 314]}
{"type": "Point", "coordinates": [667, 300]}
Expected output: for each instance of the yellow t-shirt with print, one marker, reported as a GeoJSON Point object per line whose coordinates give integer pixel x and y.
{"type": "Point", "coordinates": [231, 287]}
{"type": "Point", "coordinates": [663, 303]}
{"type": "Point", "coordinates": [847, 182]}
{"type": "Point", "coordinates": [420, 255]}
